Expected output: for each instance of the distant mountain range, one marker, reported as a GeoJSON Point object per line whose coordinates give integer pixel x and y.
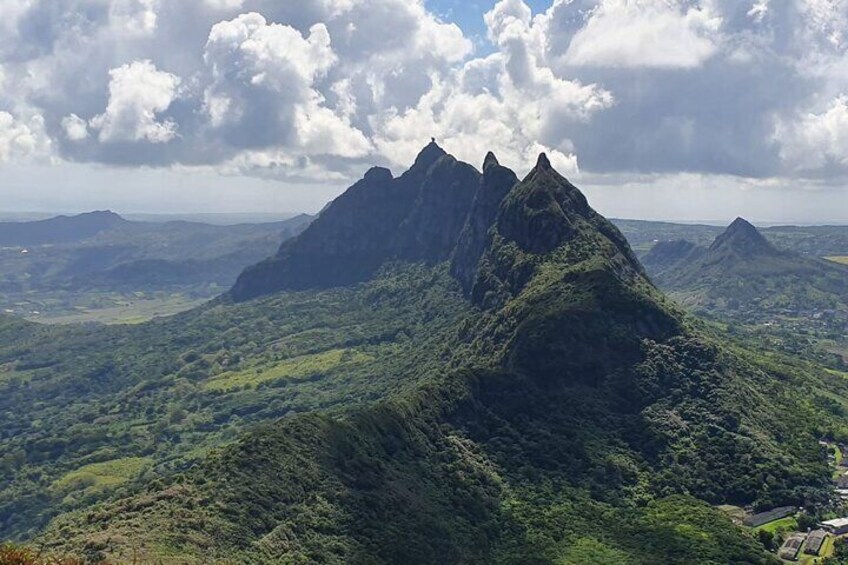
{"type": "Point", "coordinates": [816, 241]}
{"type": "Point", "coordinates": [449, 366]}
{"type": "Point", "coordinates": [53, 265]}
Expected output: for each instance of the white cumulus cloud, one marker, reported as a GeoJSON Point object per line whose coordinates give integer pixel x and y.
{"type": "Point", "coordinates": [646, 33]}
{"type": "Point", "coordinates": [76, 129]}
{"type": "Point", "coordinates": [815, 141]}
{"type": "Point", "coordinates": [21, 138]}
{"type": "Point", "coordinates": [225, 5]}
{"type": "Point", "coordinates": [264, 76]}
{"type": "Point", "coordinates": [138, 93]}
{"type": "Point", "coordinates": [321, 89]}
{"type": "Point", "coordinates": [134, 17]}
{"type": "Point", "coordinates": [511, 102]}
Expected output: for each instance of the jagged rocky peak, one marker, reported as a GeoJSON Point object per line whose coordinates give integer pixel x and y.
{"type": "Point", "coordinates": [539, 215]}
{"type": "Point", "coordinates": [429, 155]}
{"type": "Point", "coordinates": [440, 209]}
{"type": "Point", "coordinates": [543, 163]}
{"type": "Point", "coordinates": [417, 216]}
{"type": "Point", "coordinates": [742, 238]}
{"type": "Point", "coordinates": [490, 161]}
{"type": "Point", "coordinates": [495, 184]}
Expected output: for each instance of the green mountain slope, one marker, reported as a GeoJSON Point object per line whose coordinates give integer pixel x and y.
{"type": "Point", "coordinates": [557, 409]}
{"type": "Point", "coordinates": [173, 389]}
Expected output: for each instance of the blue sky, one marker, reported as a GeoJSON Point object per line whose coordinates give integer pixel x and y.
{"type": "Point", "coordinates": [469, 15]}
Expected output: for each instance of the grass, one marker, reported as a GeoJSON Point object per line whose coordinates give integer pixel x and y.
{"type": "Point", "coordinates": [7, 373]}
{"type": "Point", "coordinates": [588, 550]}
{"type": "Point", "coordinates": [296, 367]}
{"type": "Point", "coordinates": [841, 259]}
{"type": "Point", "coordinates": [120, 309]}
{"type": "Point", "coordinates": [98, 477]}
{"type": "Point", "coordinates": [787, 524]}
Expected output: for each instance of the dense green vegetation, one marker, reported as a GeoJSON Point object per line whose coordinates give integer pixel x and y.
{"type": "Point", "coordinates": [557, 409]}
{"type": "Point", "coordinates": [172, 389]}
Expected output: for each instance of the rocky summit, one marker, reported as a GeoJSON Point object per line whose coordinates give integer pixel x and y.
{"type": "Point", "coordinates": [417, 216]}
{"type": "Point", "coordinates": [439, 209]}
{"type": "Point", "coordinates": [741, 239]}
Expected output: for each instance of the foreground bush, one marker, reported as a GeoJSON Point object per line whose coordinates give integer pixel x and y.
{"type": "Point", "coordinates": [14, 555]}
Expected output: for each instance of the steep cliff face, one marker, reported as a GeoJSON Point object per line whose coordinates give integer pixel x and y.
{"type": "Point", "coordinates": [430, 231]}
{"type": "Point", "coordinates": [415, 217]}
{"type": "Point", "coordinates": [495, 184]}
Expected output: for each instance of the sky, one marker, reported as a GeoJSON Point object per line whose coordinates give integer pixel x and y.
{"type": "Point", "coordinates": [658, 109]}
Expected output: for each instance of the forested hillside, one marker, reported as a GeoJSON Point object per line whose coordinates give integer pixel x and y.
{"type": "Point", "coordinates": [552, 407]}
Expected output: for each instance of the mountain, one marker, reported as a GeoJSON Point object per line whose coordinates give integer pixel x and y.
{"type": "Point", "coordinates": [415, 217]}
{"type": "Point", "coordinates": [369, 395]}
{"type": "Point", "coordinates": [742, 271]}
{"type": "Point", "coordinates": [741, 240]}
{"type": "Point", "coordinates": [60, 229]}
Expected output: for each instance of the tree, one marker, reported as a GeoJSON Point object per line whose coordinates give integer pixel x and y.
{"type": "Point", "coordinates": [766, 538]}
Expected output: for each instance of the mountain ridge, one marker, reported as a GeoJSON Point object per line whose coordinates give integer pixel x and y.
{"type": "Point", "coordinates": [568, 413]}
{"type": "Point", "coordinates": [421, 215]}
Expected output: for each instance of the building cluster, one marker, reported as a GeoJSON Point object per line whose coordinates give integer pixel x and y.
{"type": "Point", "coordinates": [811, 543]}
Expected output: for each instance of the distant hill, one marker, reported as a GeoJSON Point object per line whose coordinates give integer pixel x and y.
{"type": "Point", "coordinates": [741, 272]}
{"type": "Point", "coordinates": [668, 254]}
{"type": "Point", "coordinates": [61, 229]}
{"type": "Point", "coordinates": [92, 261]}
{"type": "Point", "coordinates": [447, 366]}
{"type": "Point", "coordinates": [814, 241]}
